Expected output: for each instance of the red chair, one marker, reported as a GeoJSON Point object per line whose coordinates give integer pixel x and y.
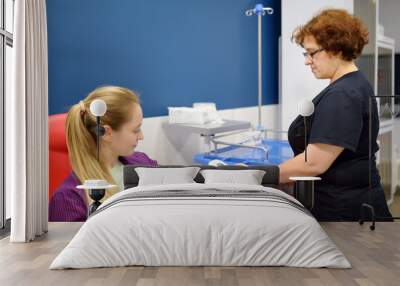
{"type": "Point", "coordinates": [59, 165]}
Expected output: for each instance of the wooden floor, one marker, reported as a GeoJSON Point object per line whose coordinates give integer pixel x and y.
{"type": "Point", "coordinates": [374, 255]}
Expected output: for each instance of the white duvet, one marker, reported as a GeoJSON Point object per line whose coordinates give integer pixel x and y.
{"type": "Point", "coordinates": [183, 231]}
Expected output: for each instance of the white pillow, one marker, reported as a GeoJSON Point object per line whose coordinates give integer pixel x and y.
{"type": "Point", "coordinates": [165, 176]}
{"type": "Point", "coordinates": [249, 177]}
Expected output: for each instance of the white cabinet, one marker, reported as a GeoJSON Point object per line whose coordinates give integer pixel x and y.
{"type": "Point", "coordinates": [385, 87]}
{"type": "Point", "coordinates": [377, 63]}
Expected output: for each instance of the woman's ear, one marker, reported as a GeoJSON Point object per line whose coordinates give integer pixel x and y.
{"type": "Point", "coordinates": [108, 133]}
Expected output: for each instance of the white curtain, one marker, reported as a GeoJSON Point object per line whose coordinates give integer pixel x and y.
{"type": "Point", "coordinates": [26, 124]}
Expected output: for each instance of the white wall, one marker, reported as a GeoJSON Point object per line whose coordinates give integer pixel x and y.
{"type": "Point", "coordinates": [297, 81]}
{"type": "Point", "coordinates": [169, 145]}
{"type": "Point", "coordinates": [389, 18]}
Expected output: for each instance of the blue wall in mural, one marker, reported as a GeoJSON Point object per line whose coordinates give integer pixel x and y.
{"type": "Point", "coordinates": [172, 52]}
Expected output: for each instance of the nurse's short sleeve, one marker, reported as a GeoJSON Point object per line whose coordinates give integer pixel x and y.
{"type": "Point", "coordinates": [338, 120]}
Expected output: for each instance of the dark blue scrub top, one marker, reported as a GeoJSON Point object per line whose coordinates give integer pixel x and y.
{"type": "Point", "coordinates": [341, 118]}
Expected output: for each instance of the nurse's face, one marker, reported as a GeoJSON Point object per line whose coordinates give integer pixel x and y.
{"type": "Point", "coordinates": [123, 141]}
{"type": "Point", "coordinates": [323, 64]}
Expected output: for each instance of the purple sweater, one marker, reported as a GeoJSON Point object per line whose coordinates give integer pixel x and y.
{"type": "Point", "coordinates": [69, 203]}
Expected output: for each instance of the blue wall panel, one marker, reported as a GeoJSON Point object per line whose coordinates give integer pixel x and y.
{"type": "Point", "coordinates": [173, 52]}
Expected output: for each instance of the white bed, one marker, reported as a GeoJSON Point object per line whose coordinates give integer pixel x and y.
{"type": "Point", "coordinates": [223, 225]}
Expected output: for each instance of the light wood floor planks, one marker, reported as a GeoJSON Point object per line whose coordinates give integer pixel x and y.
{"type": "Point", "coordinates": [375, 257]}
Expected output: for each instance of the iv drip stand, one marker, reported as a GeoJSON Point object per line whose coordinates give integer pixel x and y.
{"type": "Point", "coordinates": [260, 11]}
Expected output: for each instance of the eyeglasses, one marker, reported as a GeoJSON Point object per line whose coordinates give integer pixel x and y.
{"type": "Point", "coordinates": [311, 55]}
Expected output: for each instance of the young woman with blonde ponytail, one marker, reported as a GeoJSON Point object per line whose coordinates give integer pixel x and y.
{"type": "Point", "coordinates": [122, 124]}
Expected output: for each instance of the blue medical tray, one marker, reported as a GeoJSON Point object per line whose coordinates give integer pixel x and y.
{"type": "Point", "coordinates": [278, 152]}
